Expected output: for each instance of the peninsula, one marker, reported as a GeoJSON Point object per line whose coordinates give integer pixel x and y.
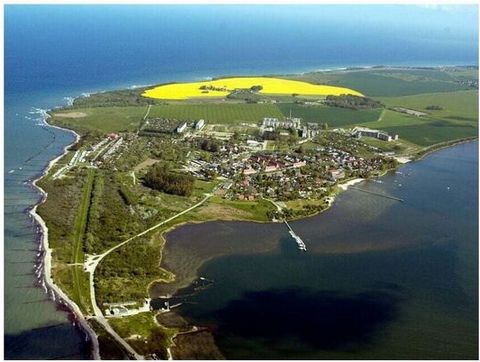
{"type": "Point", "coordinates": [263, 149]}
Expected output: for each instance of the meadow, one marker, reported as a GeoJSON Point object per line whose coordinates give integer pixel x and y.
{"type": "Point", "coordinates": [457, 118]}
{"type": "Point", "coordinates": [333, 116]}
{"type": "Point", "coordinates": [226, 113]}
{"type": "Point", "coordinates": [384, 82]}
{"type": "Point", "coordinates": [104, 119]}
{"type": "Point", "coordinates": [224, 86]}
{"type": "Point", "coordinates": [461, 105]}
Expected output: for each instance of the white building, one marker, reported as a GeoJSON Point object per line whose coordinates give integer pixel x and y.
{"type": "Point", "coordinates": [199, 124]}
{"type": "Point", "coordinates": [181, 127]}
{"type": "Point", "coordinates": [358, 132]}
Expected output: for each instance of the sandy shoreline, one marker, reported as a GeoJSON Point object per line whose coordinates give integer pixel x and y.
{"type": "Point", "coordinates": [53, 291]}
{"type": "Point", "coordinates": [344, 186]}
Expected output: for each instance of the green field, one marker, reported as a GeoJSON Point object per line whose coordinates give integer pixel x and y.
{"type": "Point", "coordinates": [334, 116]}
{"type": "Point", "coordinates": [461, 105]}
{"type": "Point", "coordinates": [104, 119]}
{"type": "Point", "coordinates": [80, 280]}
{"type": "Point", "coordinates": [457, 119]}
{"type": "Point", "coordinates": [216, 113]}
{"type": "Point", "coordinates": [390, 82]}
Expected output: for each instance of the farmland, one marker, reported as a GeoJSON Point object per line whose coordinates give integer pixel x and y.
{"type": "Point", "coordinates": [386, 82]}
{"type": "Point", "coordinates": [334, 116]}
{"type": "Point", "coordinates": [461, 105]}
{"type": "Point", "coordinates": [456, 118]}
{"type": "Point", "coordinates": [224, 86]}
{"type": "Point", "coordinates": [217, 113]}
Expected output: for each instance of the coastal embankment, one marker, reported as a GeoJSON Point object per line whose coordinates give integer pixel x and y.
{"type": "Point", "coordinates": [52, 290]}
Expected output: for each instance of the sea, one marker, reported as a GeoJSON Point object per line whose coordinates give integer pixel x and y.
{"type": "Point", "coordinates": [407, 272]}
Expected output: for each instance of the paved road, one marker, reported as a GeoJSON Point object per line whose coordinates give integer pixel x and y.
{"type": "Point", "coordinates": [92, 262]}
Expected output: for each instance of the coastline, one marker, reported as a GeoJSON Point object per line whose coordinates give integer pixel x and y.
{"type": "Point", "coordinates": [61, 298]}
{"type": "Point", "coordinates": [440, 146]}
{"type": "Point", "coordinates": [52, 290]}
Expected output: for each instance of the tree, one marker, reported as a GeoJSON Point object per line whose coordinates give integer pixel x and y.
{"type": "Point", "coordinates": [160, 178]}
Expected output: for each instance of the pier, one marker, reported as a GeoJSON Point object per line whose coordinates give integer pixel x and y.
{"type": "Point", "coordinates": [298, 239]}
{"type": "Point", "coordinates": [377, 194]}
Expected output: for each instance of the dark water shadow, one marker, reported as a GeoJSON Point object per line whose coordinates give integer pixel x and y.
{"type": "Point", "coordinates": [324, 320]}
{"type": "Point", "coordinates": [65, 342]}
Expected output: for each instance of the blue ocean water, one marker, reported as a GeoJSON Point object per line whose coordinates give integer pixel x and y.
{"type": "Point", "coordinates": [53, 52]}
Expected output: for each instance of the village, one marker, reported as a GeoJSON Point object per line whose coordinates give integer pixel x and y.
{"type": "Point", "coordinates": [313, 161]}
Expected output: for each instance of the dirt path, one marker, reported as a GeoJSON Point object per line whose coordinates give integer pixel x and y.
{"type": "Point", "coordinates": [92, 262]}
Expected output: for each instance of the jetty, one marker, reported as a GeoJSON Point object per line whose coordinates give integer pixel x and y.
{"type": "Point", "coordinates": [378, 194]}
{"type": "Point", "coordinates": [298, 239]}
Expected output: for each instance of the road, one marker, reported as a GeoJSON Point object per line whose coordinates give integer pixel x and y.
{"type": "Point", "coordinates": [92, 262]}
{"type": "Point", "coordinates": [148, 111]}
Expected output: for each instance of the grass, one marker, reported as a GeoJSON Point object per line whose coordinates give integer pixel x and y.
{"type": "Point", "coordinates": [104, 119]}
{"type": "Point", "coordinates": [146, 336]}
{"type": "Point", "coordinates": [457, 119]}
{"type": "Point", "coordinates": [388, 82]}
{"type": "Point", "coordinates": [461, 105]}
{"type": "Point", "coordinates": [334, 116]}
{"type": "Point", "coordinates": [217, 113]}
{"type": "Point", "coordinates": [253, 210]}
{"type": "Point", "coordinates": [81, 219]}
{"type": "Point", "coordinates": [399, 147]}
{"type": "Point", "coordinates": [224, 86]}
{"type": "Point", "coordinates": [80, 281]}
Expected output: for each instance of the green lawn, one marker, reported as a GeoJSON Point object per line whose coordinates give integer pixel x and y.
{"type": "Point", "coordinates": [104, 119]}
{"type": "Point", "coordinates": [216, 113]}
{"type": "Point", "coordinates": [334, 116]}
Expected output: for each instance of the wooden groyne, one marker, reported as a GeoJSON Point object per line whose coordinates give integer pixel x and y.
{"type": "Point", "coordinates": [378, 194]}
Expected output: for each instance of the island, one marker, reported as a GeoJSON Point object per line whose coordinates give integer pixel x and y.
{"type": "Point", "coordinates": [262, 149]}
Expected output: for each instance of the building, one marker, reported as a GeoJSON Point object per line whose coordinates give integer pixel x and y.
{"type": "Point", "coordinates": [336, 174]}
{"type": "Point", "coordinates": [289, 123]}
{"type": "Point", "coordinates": [199, 124]}
{"type": "Point", "coordinates": [358, 132]}
{"type": "Point", "coordinates": [181, 127]}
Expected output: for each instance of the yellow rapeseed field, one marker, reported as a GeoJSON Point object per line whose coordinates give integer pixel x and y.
{"type": "Point", "coordinates": [223, 87]}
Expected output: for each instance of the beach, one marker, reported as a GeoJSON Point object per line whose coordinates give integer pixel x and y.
{"type": "Point", "coordinates": [53, 291]}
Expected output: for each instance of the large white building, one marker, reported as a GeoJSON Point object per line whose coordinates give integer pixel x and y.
{"type": "Point", "coordinates": [358, 132]}
{"type": "Point", "coordinates": [271, 124]}
{"type": "Point", "coordinates": [181, 127]}
{"type": "Point", "coordinates": [199, 124]}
